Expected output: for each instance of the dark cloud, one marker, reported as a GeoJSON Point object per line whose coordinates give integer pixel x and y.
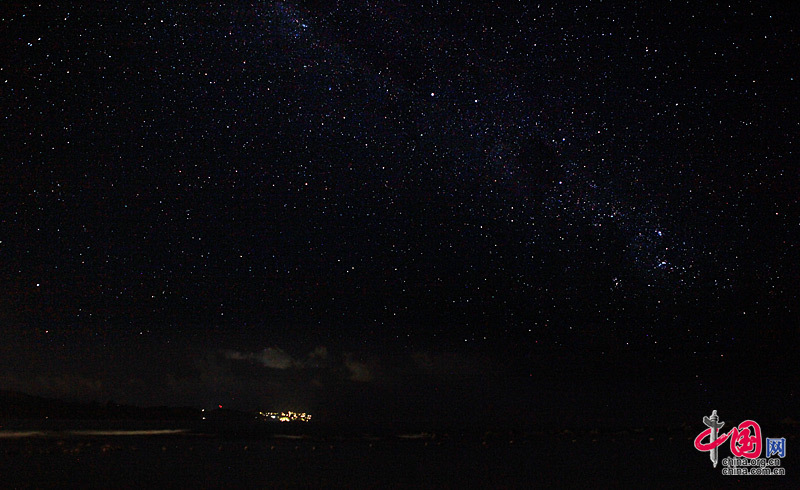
{"type": "Point", "coordinates": [277, 358]}
{"type": "Point", "coordinates": [359, 371]}
{"type": "Point", "coordinates": [347, 366]}
{"type": "Point", "coordinates": [365, 368]}
{"type": "Point", "coordinates": [271, 357]}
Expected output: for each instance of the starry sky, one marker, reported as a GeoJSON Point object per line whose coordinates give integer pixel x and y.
{"type": "Point", "coordinates": [265, 203]}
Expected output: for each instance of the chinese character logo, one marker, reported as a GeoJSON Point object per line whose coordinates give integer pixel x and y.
{"type": "Point", "coordinates": [745, 440]}
{"type": "Point", "coordinates": [714, 425]}
{"type": "Point", "coordinates": [776, 446]}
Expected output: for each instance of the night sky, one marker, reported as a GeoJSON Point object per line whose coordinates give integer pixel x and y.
{"type": "Point", "coordinates": [400, 209]}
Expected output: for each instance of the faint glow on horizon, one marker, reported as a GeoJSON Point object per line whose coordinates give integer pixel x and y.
{"type": "Point", "coordinates": [16, 434]}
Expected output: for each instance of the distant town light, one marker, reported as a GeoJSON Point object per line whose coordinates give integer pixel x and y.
{"type": "Point", "coordinates": [287, 416]}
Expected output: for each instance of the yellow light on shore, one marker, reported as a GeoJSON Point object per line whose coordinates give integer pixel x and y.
{"type": "Point", "coordinates": [289, 416]}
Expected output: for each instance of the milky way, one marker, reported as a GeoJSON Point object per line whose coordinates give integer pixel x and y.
{"type": "Point", "coordinates": [374, 171]}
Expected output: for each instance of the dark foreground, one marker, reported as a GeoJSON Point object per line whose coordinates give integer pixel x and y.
{"type": "Point", "coordinates": [621, 459]}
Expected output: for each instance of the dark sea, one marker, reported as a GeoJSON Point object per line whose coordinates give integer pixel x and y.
{"type": "Point", "coordinates": [160, 456]}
